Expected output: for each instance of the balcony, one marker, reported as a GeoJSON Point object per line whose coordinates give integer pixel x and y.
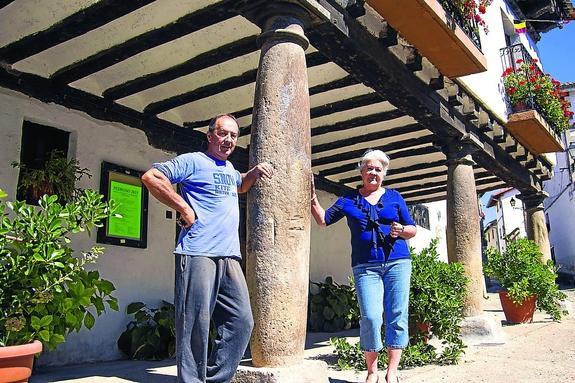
{"type": "Point", "coordinates": [529, 122]}
{"type": "Point", "coordinates": [439, 32]}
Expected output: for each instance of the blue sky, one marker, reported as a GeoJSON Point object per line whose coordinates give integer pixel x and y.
{"type": "Point", "coordinates": [557, 53]}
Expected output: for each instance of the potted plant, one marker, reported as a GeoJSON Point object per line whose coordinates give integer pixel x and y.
{"type": "Point", "coordinates": [525, 278]}
{"type": "Point", "coordinates": [45, 289]}
{"type": "Point", "coordinates": [57, 176]}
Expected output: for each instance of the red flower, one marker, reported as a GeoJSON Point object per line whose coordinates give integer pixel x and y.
{"type": "Point", "coordinates": [519, 61]}
{"type": "Point", "coordinates": [481, 8]}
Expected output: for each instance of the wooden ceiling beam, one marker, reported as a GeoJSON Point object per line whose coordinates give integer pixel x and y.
{"type": "Point", "coordinates": [185, 25]}
{"type": "Point", "coordinates": [89, 18]}
{"type": "Point", "coordinates": [205, 60]}
{"type": "Point", "coordinates": [396, 145]}
{"type": "Point", "coordinates": [248, 77]}
{"type": "Point", "coordinates": [401, 154]}
{"type": "Point", "coordinates": [365, 138]}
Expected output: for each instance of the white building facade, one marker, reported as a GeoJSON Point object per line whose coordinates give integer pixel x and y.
{"type": "Point", "coordinates": [560, 205]}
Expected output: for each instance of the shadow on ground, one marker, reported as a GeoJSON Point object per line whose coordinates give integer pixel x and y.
{"type": "Point", "coordinates": [136, 371]}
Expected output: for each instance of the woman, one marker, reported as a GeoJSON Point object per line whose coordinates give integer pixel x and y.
{"type": "Point", "coordinates": [379, 223]}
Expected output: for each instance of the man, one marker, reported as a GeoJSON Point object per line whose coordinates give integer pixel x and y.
{"type": "Point", "coordinates": [209, 283]}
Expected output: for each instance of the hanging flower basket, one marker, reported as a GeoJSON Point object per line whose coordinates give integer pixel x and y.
{"type": "Point", "coordinates": [533, 132]}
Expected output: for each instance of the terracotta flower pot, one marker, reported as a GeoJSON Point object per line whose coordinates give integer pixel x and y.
{"type": "Point", "coordinates": [16, 362]}
{"type": "Point", "coordinates": [514, 313]}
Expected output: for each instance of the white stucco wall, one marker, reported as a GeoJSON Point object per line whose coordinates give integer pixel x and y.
{"type": "Point", "coordinates": [509, 218]}
{"type": "Point", "coordinates": [560, 208]}
{"type": "Point", "coordinates": [488, 85]}
{"type": "Point", "coordinates": [330, 247]}
{"type": "Point", "coordinates": [437, 230]}
{"type": "Point", "coordinates": [138, 274]}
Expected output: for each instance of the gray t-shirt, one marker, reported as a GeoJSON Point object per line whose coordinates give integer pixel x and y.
{"type": "Point", "coordinates": [209, 186]}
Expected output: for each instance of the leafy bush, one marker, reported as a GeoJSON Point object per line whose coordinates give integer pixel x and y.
{"type": "Point", "coordinates": [521, 271]}
{"type": "Point", "coordinates": [45, 290]}
{"type": "Point", "coordinates": [152, 333]}
{"type": "Point", "coordinates": [436, 299]}
{"type": "Point", "coordinates": [332, 307]}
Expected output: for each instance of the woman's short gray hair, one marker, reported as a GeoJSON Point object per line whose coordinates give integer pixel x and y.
{"type": "Point", "coordinates": [374, 154]}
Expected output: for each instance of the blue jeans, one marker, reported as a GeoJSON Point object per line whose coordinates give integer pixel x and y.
{"type": "Point", "coordinates": [383, 287]}
{"type": "Point", "coordinates": [210, 289]}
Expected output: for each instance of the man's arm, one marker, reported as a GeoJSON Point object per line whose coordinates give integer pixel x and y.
{"type": "Point", "coordinates": [260, 170]}
{"type": "Point", "coordinates": [160, 187]}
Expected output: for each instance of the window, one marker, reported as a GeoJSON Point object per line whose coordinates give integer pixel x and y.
{"type": "Point", "coordinates": [420, 215]}
{"type": "Point", "coordinates": [38, 142]}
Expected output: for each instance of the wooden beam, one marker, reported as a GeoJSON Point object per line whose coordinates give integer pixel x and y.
{"type": "Point", "coordinates": [4, 3]}
{"type": "Point", "coordinates": [386, 148]}
{"type": "Point", "coordinates": [187, 24]}
{"type": "Point", "coordinates": [205, 60]}
{"type": "Point", "coordinates": [89, 18]}
{"type": "Point", "coordinates": [365, 138]}
{"type": "Point", "coordinates": [401, 154]}
{"type": "Point", "coordinates": [155, 108]}
{"type": "Point", "coordinates": [348, 104]}
{"type": "Point", "coordinates": [336, 84]}
{"type": "Point", "coordinates": [437, 187]}
{"type": "Point", "coordinates": [329, 186]}
{"type": "Point", "coordinates": [406, 169]}
{"type": "Point", "coordinates": [161, 134]}
{"type": "Point", "coordinates": [357, 122]}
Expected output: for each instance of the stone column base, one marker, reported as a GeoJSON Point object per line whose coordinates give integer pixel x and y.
{"type": "Point", "coordinates": [309, 371]}
{"type": "Point", "coordinates": [482, 330]}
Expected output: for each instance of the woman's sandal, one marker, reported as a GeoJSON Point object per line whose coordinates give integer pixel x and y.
{"type": "Point", "coordinates": [396, 379]}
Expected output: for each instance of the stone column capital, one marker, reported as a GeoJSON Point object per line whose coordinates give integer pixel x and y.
{"type": "Point", "coordinates": [285, 20]}
{"type": "Point", "coordinates": [533, 200]}
{"type": "Point", "coordinates": [460, 150]}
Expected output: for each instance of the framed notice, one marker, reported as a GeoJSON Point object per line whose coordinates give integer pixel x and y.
{"type": "Point", "coordinates": [125, 187]}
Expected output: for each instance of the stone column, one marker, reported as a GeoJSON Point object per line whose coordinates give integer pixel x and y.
{"type": "Point", "coordinates": [463, 221]}
{"type": "Point", "coordinates": [278, 223]}
{"type": "Point", "coordinates": [535, 221]}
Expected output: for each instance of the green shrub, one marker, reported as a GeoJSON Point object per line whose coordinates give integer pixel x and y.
{"type": "Point", "coordinates": [152, 333]}
{"type": "Point", "coordinates": [522, 273]}
{"type": "Point", "coordinates": [45, 290]}
{"type": "Point", "coordinates": [436, 299]}
{"type": "Point", "coordinates": [332, 307]}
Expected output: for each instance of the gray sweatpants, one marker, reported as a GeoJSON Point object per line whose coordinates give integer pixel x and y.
{"type": "Point", "coordinates": [210, 288]}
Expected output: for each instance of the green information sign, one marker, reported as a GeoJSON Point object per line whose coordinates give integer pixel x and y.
{"type": "Point", "coordinates": [129, 200]}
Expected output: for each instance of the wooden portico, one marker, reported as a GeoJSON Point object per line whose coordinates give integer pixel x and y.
{"type": "Point", "coordinates": [167, 66]}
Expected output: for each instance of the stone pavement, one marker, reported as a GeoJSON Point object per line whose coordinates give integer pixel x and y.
{"type": "Point", "coordinates": [542, 351]}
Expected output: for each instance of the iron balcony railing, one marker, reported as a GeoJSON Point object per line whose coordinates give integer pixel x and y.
{"type": "Point", "coordinates": [514, 56]}
{"type": "Point", "coordinates": [468, 25]}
